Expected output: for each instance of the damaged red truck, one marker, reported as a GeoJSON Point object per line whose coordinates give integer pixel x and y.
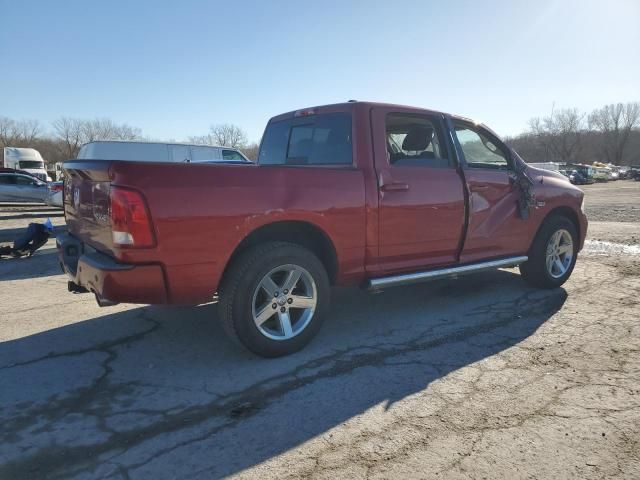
{"type": "Point", "coordinates": [355, 193]}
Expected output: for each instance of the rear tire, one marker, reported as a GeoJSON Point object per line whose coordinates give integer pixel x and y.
{"type": "Point", "coordinates": [273, 298]}
{"type": "Point", "coordinates": [553, 254]}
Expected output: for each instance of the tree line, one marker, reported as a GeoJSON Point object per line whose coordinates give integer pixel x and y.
{"type": "Point", "coordinates": [66, 135]}
{"type": "Point", "coordinates": [610, 134]}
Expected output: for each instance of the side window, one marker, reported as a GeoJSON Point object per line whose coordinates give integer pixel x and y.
{"type": "Point", "coordinates": [414, 140]}
{"type": "Point", "coordinates": [20, 180]}
{"type": "Point", "coordinates": [231, 155]}
{"type": "Point", "coordinates": [6, 180]}
{"type": "Point", "coordinates": [479, 149]}
{"type": "Point", "coordinates": [315, 140]}
{"type": "Point", "coordinates": [204, 154]}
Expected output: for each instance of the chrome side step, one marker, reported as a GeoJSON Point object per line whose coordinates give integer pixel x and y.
{"type": "Point", "coordinates": [378, 283]}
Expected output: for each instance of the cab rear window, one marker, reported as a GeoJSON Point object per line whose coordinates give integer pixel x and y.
{"type": "Point", "coordinates": [314, 140]}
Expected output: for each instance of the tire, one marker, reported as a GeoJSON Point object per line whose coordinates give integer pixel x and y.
{"type": "Point", "coordinates": [537, 271]}
{"type": "Point", "coordinates": [246, 298]}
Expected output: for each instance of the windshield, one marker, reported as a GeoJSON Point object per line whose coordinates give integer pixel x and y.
{"type": "Point", "coordinates": [31, 164]}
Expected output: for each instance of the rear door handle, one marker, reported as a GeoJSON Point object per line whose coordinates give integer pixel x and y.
{"type": "Point", "coordinates": [480, 187]}
{"type": "Point", "coordinates": [395, 187]}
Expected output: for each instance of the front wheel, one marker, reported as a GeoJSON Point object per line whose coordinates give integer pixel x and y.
{"type": "Point", "coordinates": [553, 254]}
{"type": "Point", "coordinates": [273, 298]}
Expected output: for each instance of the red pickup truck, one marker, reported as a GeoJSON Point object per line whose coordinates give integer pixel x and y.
{"type": "Point", "coordinates": [355, 193]}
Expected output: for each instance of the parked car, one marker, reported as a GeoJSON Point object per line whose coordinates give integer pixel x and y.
{"type": "Point", "coordinates": [585, 172]}
{"type": "Point", "coordinates": [17, 187]}
{"type": "Point", "coordinates": [54, 194]}
{"type": "Point", "coordinates": [624, 173]}
{"type": "Point", "coordinates": [356, 193]}
{"type": "Point", "coordinates": [159, 152]}
{"type": "Point", "coordinates": [578, 178]}
{"type": "Point", "coordinates": [601, 174]}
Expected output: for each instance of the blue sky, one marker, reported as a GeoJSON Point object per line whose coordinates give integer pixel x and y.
{"type": "Point", "coordinates": [174, 68]}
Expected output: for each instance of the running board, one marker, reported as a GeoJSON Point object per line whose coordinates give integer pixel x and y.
{"type": "Point", "coordinates": [378, 283]}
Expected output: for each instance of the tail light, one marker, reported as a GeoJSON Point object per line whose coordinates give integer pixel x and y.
{"type": "Point", "coordinates": [56, 187]}
{"type": "Point", "coordinates": [130, 219]}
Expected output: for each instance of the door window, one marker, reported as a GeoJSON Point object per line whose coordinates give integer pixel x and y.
{"type": "Point", "coordinates": [481, 150]}
{"type": "Point", "coordinates": [231, 155]}
{"type": "Point", "coordinates": [414, 140]}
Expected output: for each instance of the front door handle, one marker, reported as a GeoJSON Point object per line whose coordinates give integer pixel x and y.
{"type": "Point", "coordinates": [481, 186]}
{"type": "Point", "coordinates": [395, 187]}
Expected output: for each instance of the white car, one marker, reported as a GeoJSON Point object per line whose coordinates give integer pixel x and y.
{"type": "Point", "coordinates": [159, 152]}
{"type": "Point", "coordinates": [17, 187]}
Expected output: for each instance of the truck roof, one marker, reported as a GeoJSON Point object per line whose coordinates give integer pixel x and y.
{"type": "Point", "coordinates": [351, 104]}
{"type": "Point", "coordinates": [150, 142]}
{"type": "Point", "coordinates": [22, 153]}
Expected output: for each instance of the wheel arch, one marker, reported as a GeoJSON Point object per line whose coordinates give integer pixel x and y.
{"type": "Point", "coordinates": [299, 232]}
{"type": "Point", "coordinates": [562, 211]}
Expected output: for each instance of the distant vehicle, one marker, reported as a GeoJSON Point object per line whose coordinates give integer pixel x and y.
{"type": "Point", "coordinates": [159, 152]}
{"type": "Point", "coordinates": [27, 159]}
{"type": "Point", "coordinates": [16, 187]}
{"type": "Point", "coordinates": [601, 174]}
{"type": "Point", "coordinates": [54, 194]}
{"type": "Point", "coordinates": [584, 173]}
{"type": "Point", "coordinates": [624, 173]}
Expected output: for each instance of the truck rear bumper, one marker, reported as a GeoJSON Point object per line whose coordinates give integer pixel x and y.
{"type": "Point", "coordinates": [110, 281]}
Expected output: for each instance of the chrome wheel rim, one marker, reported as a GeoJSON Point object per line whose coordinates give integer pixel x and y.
{"type": "Point", "coordinates": [559, 253]}
{"type": "Point", "coordinates": [284, 302]}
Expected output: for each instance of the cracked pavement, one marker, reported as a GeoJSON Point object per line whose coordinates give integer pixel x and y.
{"type": "Point", "coordinates": [482, 377]}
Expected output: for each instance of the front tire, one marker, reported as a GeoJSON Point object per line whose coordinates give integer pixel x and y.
{"type": "Point", "coordinates": [273, 298]}
{"type": "Point", "coordinates": [552, 255]}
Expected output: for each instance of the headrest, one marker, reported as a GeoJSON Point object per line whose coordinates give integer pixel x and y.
{"type": "Point", "coordinates": [417, 139]}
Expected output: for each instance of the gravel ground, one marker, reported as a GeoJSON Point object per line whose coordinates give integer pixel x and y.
{"type": "Point", "coordinates": [613, 201]}
{"type": "Point", "coordinates": [481, 377]}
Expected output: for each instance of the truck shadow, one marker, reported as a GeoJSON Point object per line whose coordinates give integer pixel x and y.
{"type": "Point", "coordinates": [43, 263]}
{"type": "Point", "coordinates": [152, 387]}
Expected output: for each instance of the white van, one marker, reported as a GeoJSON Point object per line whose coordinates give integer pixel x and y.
{"type": "Point", "coordinates": [159, 152]}
{"type": "Point", "coordinates": [27, 159]}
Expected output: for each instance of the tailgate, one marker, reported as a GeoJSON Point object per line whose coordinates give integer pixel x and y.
{"type": "Point", "coordinates": [86, 202]}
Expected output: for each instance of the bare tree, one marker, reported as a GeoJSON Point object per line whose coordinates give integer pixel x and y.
{"type": "Point", "coordinates": [69, 132]}
{"type": "Point", "coordinates": [560, 134]}
{"type": "Point", "coordinates": [251, 151]}
{"type": "Point", "coordinates": [224, 135]}
{"type": "Point", "coordinates": [615, 123]}
{"type": "Point", "coordinates": [18, 133]}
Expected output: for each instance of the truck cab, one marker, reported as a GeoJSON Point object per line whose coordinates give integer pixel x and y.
{"type": "Point", "coordinates": [26, 159]}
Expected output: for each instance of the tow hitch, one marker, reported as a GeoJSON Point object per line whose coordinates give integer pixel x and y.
{"type": "Point", "coordinates": [75, 288]}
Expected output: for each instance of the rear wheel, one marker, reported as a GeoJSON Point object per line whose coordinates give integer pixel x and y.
{"type": "Point", "coordinates": [273, 298]}
{"type": "Point", "coordinates": [553, 254]}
